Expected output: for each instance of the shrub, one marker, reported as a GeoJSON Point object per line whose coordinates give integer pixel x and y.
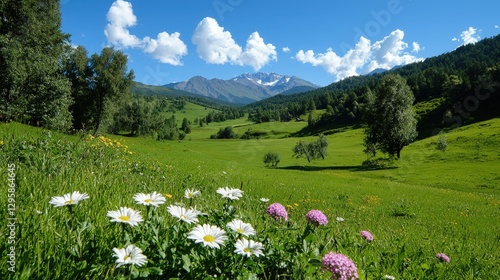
{"type": "Point", "coordinates": [225, 133]}
{"type": "Point", "coordinates": [442, 144]}
{"type": "Point", "coordinates": [271, 159]}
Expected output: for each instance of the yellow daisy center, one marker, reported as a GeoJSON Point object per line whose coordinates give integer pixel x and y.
{"type": "Point", "coordinates": [209, 238]}
{"type": "Point", "coordinates": [126, 257]}
{"type": "Point", "coordinates": [239, 230]}
{"type": "Point", "coordinates": [148, 200]}
{"type": "Point", "coordinates": [247, 250]}
{"type": "Point", "coordinates": [190, 195]}
{"type": "Point", "coordinates": [69, 201]}
{"type": "Point", "coordinates": [124, 218]}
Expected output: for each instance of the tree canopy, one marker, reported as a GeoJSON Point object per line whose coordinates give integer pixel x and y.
{"type": "Point", "coordinates": [390, 117]}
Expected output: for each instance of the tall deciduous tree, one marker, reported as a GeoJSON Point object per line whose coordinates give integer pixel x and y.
{"type": "Point", "coordinates": [76, 67]}
{"type": "Point", "coordinates": [390, 118]}
{"type": "Point", "coordinates": [109, 82]}
{"type": "Point", "coordinates": [32, 87]}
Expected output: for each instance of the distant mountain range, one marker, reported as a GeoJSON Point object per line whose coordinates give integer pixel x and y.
{"type": "Point", "coordinates": [246, 88]}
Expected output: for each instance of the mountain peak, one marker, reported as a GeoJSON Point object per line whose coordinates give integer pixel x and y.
{"type": "Point", "coordinates": [246, 88]}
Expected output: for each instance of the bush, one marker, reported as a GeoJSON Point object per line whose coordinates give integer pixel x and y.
{"type": "Point", "coordinates": [271, 159]}
{"type": "Point", "coordinates": [225, 133]}
{"type": "Point", "coordinates": [442, 144]}
{"type": "Point", "coordinates": [249, 134]}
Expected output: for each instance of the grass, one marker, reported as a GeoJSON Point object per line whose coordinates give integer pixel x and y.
{"type": "Point", "coordinates": [431, 202]}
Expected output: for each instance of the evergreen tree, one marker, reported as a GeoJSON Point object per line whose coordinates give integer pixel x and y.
{"type": "Point", "coordinates": [186, 126]}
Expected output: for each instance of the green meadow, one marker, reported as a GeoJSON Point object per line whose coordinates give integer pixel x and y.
{"type": "Point", "coordinates": [427, 202]}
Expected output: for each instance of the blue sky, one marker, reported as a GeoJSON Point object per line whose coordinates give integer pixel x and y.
{"type": "Point", "coordinates": [321, 41]}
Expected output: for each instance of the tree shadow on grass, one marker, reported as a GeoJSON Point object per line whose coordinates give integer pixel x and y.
{"type": "Point", "coordinates": [344, 167]}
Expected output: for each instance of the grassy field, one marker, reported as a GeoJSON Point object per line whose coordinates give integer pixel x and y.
{"type": "Point", "coordinates": [429, 202]}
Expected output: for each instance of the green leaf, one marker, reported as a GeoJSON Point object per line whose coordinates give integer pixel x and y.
{"type": "Point", "coordinates": [425, 266]}
{"type": "Point", "coordinates": [315, 262]}
{"type": "Point", "coordinates": [187, 263]}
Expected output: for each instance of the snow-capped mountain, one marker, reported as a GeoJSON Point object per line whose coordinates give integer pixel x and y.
{"type": "Point", "coordinates": [245, 88]}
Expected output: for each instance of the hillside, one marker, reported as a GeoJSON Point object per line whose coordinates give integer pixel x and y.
{"type": "Point", "coordinates": [465, 81]}
{"type": "Point", "coordinates": [430, 202]}
{"type": "Point", "coordinates": [143, 89]}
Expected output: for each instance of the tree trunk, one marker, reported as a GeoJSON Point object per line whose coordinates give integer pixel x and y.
{"type": "Point", "coordinates": [399, 154]}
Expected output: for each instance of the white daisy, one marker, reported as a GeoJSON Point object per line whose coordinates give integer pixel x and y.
{"type": "Point", "coordinates": [68, 199]}
{"type": "Point", "coordinates": [340, 219]}
{"type": "Point", "coordinates": [263, 199]}
{"type": "Point", "coordinates": [187, 215]}
{"type": "Point", "coordinates": [125, 215]}
{"type": "Point", "coordinates": [241, 227]}
{"type": "Point", "coordinates": [248, 248]}
{"type": "Point", "coordinates": [129, 255]}
{"type": "Point", "coordinates": [189, 193]}
{"type": "Point", "coordinates": [229, 193]}
{"type": "Point", "coordinates": [150, 199]}
{"type": "Point", "coordinates": [210, 236]}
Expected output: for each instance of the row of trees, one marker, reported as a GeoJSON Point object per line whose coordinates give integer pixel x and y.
{"type": "Point", "coordinates": [148, 116]}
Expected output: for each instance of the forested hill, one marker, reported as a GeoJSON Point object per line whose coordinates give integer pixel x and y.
{"type": "Point", "coordinates": [214, 103]}
{"type": "Point", "coordinates": [449, 80]}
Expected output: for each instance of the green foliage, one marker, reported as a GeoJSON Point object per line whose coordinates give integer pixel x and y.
{"type": "Point", "coordinates": [390, 117]}
{"type": "Point", "coordinates": [225, 133]}
{"type": "Point", "coordinates": [186, 126]}
{"type": "Point", "coordinates": [251, 134]}
{"type": "Point", "coordinates": [167, 129]}
{"type": "Point", "coordinates": [32, 88]}
{"type": "Point", "coordinates": [312, 150]}
{"type": "Point", "coordinates": [271, 159]}
{"type": "Point", "coordinates": [225, 113]}
{"type": "Point", "coordinates": [441, 144]}
{"type": "Point", "coordinates": [76, 67]}
{"type": "Point", "coordinates": [110, 82]}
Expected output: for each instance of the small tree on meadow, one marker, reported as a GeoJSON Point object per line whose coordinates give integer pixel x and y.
{"type": "Point", "coordinates": [312, 150]}
{"type": "Point", "coordinates": [271, 159]}
{"type": "Point", "coordinates": [390, 118]}
{"type": "Point", "coordinates": [442, 144]}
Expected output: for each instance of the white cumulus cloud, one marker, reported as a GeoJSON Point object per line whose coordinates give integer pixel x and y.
{"type": "Point", "coordinates": [120, 17]}
{"type": "Point", "coordinates": [167, 48]}
{"type": "Point", "coordinates": [214, 45]}
{"type": "Point", "coordinates": [496, 26]}
{"type": "Point", "coordinates": [286, 49]}
{"type": "Point", "coordinates": [469, 36]}
{"type": "Point", "coordinates": [364, 57]}
{"type": "Point", "coordinates": [257, 53]}
{"type": "Point", "coordinates": [217, 46]}
{"type": "Point", "coordinates": [416, 47]}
